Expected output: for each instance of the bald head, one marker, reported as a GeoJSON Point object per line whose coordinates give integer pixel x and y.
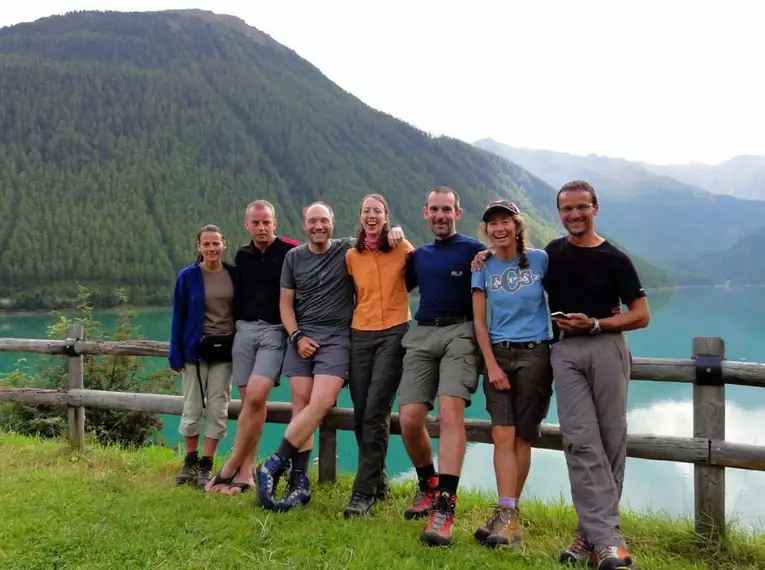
{"type": "Point", "coordinates": [318, 222]}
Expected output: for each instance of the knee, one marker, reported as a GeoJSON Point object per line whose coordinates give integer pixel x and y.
{"type": "Point", "coordinates": [451, 419]}
{"type": "Point", "coordinates": [255, 403]}
{"type": "Point", "coordinates": [503, 437]}
{"type": "Point", "coordinates": [581, 439]}
{"type": "Point", "coordinates": [411, 419]}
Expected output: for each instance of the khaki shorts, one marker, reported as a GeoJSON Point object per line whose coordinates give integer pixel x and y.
{"type": "Point", "coordinates": [526, 404]}
{"type": "Point", "coordinates": [439, 361]}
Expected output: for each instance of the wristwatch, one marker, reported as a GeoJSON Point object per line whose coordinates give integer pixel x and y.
{"type": "Point", "coordinates": [595, 326]}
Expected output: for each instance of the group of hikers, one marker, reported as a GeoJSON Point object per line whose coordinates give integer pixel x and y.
{"type": "Point", "coordinates": [335, 312]}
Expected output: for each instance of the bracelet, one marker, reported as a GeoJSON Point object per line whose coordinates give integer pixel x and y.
{"type": "Point", "coordinates": [296, 336]}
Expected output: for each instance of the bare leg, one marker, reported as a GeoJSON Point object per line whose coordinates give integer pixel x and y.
{"type": "Point", "coordinates": [416, 438]}
{"type": "Point", "coordinates": [323, 397]}
{"type": "Point", "coordinates": [505, 462]}
{"type": "Point", "coordinates": [451, 449]}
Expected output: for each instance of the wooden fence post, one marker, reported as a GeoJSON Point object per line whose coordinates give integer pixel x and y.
{"type": "Point", "coordinates": [709, 423]}
{"type": "Point", "coordinates": [327, 454]}
{"type": "Point", "coordinates": [76, 381]}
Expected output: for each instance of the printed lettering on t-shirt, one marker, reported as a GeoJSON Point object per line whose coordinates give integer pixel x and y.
{"type": "Point", "coordinates": [456, 273]}
{"type": "Point", "coordinates": [512, 279]}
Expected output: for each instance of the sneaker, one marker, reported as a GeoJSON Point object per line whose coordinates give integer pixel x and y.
{"type": "Point", "coordinates": [424, 499]}
{"type": "Point", "coordinates": [578, 551]}
{"type": "Point", "coordinates": [298, 492]}
{"type": "Point", "coordinates": [204, 474]}
{"type": "Point", "coordinates": [359, 504]}
{"type": "Point", "coordinates": [439, 529]}
{"type": "Point", "coordinates": [613, 558]}
{"type": "Point", "coordinates": [189, 472]}
{"type": "Point", "coordinates": [502, 529]}
{"type": "Point", "coordinates": [267, 476]}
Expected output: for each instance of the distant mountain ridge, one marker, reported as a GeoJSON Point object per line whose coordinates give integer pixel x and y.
{"type": "Point", "coordinates": [670, 223]}
{"type": "Point", "coordinates": [742, 176]}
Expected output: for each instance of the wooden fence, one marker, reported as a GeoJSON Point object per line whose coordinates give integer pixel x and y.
{"type": "Point", "coordinates": [707, 450]}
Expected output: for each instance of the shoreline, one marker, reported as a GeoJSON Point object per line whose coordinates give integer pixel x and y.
{"type": "Point", "coordinates": [150, 308]}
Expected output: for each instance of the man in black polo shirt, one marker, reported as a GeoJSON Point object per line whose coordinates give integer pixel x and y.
{"type": "Point", "coordinates": [589, 280]}
{"type": "Point", "coordinates": [260, 340]}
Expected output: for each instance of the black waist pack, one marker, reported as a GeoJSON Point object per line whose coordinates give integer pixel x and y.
{"type": "Point", "coordinates": [216, 348]}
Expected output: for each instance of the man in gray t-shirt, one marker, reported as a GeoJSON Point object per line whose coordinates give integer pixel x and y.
{"type": "Point", "coordinates": [323, 288]}
{"type": "Point", "coordinates": [316, 307]}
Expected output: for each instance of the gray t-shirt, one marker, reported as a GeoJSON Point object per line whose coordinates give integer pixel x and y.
{"type": "Point", "coordinates": [324, 295]}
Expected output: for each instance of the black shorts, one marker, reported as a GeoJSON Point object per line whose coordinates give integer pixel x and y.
{"type": "Point", "coordinates": [526, 404]}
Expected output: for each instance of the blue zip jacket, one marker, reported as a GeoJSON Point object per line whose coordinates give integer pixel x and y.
{"type": "Point", "coordinates": [189, 314]}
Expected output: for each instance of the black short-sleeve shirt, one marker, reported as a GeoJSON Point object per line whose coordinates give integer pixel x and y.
{"type": "Point", "coordinates": [595, 281]}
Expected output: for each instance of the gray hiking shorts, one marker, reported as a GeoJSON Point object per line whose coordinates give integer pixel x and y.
{"type": "Point", "coordinates": [332, 358]}
{"type": "Point", "coordinates": [258, 351]}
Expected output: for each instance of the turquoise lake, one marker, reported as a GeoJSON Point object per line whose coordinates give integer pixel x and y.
{"type": "Point", "coordinates": [734, 314]}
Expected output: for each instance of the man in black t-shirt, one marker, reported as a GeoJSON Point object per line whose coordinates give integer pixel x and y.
{"type": "Point", "coordinates": [588, 281]}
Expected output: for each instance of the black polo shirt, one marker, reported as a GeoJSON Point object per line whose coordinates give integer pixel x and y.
{"type": "Point", "coordinates": [258, 274]}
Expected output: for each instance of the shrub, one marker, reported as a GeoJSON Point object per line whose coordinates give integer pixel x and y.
{"type": "Point", "coordinates": [112, 373]}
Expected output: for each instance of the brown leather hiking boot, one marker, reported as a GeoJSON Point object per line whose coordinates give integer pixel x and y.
{"type": "Point", "coordinates": [505, 528]}
{"type": "Point", "coordinates": [439, 529]}
{"type": "Point", "coordinates": [424, 499]}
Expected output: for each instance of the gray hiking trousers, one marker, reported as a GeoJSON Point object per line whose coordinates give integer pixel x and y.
{"type": "Point", "coordinates": [591, 377]}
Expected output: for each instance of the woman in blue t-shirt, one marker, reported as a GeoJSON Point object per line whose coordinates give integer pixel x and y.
{"type": "Point", "coordinates": [516, 353]}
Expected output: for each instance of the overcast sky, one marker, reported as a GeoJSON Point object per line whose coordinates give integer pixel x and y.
{"type": "Point", "coordinates": [659, 81]}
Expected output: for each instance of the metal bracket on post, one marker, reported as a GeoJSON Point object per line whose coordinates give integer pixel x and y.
{"type": "Point", "coordinates": [69, 347]}
{"type": "Point", "coordinates": [709, 370]}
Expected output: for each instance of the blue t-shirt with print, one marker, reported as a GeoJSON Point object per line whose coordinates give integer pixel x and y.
{"type": "Point", "coordinates": [515, 297]}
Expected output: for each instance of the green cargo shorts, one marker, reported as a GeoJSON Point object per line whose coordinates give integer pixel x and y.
{"type": "Point", "coordinates": [439, 361]}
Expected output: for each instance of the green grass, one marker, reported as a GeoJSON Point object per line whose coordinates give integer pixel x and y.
{"type": "Point", "coordinates": [112, 508]}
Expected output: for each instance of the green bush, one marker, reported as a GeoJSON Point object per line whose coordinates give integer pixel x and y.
{"type": "Point", "coordinates": [112, 373]}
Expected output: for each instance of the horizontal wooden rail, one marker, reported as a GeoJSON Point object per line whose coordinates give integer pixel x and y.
{"type": "Point", "coordinates": [650, 369]}
{"type": "Point", "coordinates": [707, 371]}
{"type": "Point", "coordinates": [694, 450]}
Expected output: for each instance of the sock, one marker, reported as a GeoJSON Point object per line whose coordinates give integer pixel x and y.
{"type": "Point", "coordinates": [300, 461]}
{"type": "Point", "coordinates": [192, 454]}
{"type": "Point", "coordinates": [425, 473]}
{"type": "Point", "coordinates": [448, 483]}
{"type": "Point", "coordinates": [286, 450]}
{"type": "Point", "coordinates": [508, 502]}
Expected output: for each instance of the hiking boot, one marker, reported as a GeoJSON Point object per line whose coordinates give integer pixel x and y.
{"type": "Point", "coordinates": [204, 473]}
{"type": "Point", "coordinates": [359, 504]}
{"type": "Point", "coordinates": [613, 558]}
{"type": "Point", "coordinates": [502, 529]}
{"type": "Point", "coordinates": [578, 551]}
{"type": "Point", "coordinates": [190, 468]}
{"type": "Point", "coordinates": [298, 492]}
{"type": "Point", "coordinates": [424, 499]}
{"type": "Point", "coordinates": [439, 529]}
{"type": "Point", "coordinates": [507, 528]}
{"type": "Point", "coordinates": [267, 476]}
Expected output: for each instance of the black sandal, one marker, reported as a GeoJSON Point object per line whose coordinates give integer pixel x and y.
{"type": "Point", "coordinates": [243, 486]}
{"type": "Point", "coordinates": [218, 480]}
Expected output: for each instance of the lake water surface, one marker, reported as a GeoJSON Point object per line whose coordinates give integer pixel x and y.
{"type": "Point", "coordinates": [655, 408]}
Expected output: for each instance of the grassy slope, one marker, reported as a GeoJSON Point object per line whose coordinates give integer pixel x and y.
{"type": "Point", "coordinates": [110, 508]}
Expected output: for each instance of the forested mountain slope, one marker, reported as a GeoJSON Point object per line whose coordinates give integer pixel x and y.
{"type": "Point", "coordinates": [122, 133]}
